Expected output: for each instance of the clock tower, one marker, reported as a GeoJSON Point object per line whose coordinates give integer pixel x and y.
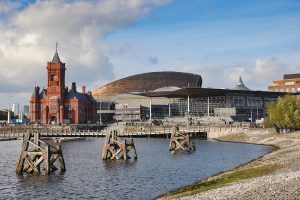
{"type": "Point", "coordinates": [58, 105]}
{"type": "Point", "coordinates": [56, 78]}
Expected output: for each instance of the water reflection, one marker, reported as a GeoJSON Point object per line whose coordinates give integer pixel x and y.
{"type": "Point", "coordinates": [154, 172]}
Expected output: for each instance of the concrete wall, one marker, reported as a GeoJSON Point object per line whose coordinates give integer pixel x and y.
{"type": "Point", "coordinates": [218, 131]}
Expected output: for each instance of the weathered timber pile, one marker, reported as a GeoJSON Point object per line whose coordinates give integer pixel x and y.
{"type": "Point", "coordinates": [181, 141]}
{"type": "Point", "coordinates": [118, 149]}
{"type": "Point", "coordinates": [39, 156]}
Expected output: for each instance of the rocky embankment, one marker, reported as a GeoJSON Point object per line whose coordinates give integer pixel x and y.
{"type": "Point", "coordinates": [283, 181]}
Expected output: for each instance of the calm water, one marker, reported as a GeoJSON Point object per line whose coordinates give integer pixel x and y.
{"type": "Point", "coordinates": [88, 177]}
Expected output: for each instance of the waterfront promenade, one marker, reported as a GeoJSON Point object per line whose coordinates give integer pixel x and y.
{"type": "Point", "coordinates": [209, 132]}
{"type": "Point", "coordinates": [282, 181]}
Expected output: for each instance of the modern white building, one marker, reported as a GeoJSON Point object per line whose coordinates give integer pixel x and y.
{"type": "Point", "coordinates": [16, 108]}
{"type": "Point", "coordinates": [26, 110]}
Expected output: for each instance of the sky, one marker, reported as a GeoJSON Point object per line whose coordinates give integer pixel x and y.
{"type": "Point", "coordinates": [104, 40]}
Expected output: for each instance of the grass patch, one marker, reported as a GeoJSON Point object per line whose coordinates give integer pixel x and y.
{"type": "Point", "coordinates": [222, 180]}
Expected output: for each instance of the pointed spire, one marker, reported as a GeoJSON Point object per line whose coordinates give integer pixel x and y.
{"type": "Point", "coordinates": [240, 85]}
{"type": "Point", "coordinates": [56, 59]}
{"type": "Point", "coordinates": [240, 81]}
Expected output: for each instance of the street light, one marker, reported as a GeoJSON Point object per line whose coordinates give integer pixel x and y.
{"type": "Point", "coordinates": [8, 111]}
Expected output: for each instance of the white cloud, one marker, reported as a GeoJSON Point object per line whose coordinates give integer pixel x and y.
{"type": "Point", "coordinates": [267, 69]}
{"type": "Point", "coordinates": [28, 39]}
{"type": "Point", "coordinates": [257, 75]}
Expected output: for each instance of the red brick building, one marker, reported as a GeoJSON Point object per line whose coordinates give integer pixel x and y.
{"type": "Point", "coordinates": [59, 105]}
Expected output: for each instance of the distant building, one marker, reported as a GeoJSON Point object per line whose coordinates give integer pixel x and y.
{"type": "Point", "coordinates": [26, 110]}
{"type": "Point", "coordinates": [289, 83]}
{"type": "Point", "coordinates": [239, 103]}
{"type": "Point", "coordinates": [170, 96]}
{"type": "Point", "coordinates": [116, 100]}
{"type": "Point", "coordinates": [147, 82]}
{"type": "Point", "coordinates": [16, 108]}
{"type": "Point", "coordinates": [21, 114]}
{"type": "Point", "coordinates": [58, 104]}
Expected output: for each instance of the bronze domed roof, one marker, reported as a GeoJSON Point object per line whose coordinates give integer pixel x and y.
{"type": "Point", "coordinates": [149, 82]}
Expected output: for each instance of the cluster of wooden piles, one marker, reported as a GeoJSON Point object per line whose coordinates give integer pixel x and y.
{"type": "Point", "coordinates": [40, 156]}
{"type": "Point", "coordinates": [116, 148]}
{"type": "Point", "coordinates": [181, 141]}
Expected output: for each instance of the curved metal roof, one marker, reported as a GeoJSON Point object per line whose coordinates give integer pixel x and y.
{"type": "Point", "coordinates": [149, 82]}
{"type": "Point", "coordinates": [164, 89]}
{"type": "Point", "coordinates": [208, 92]}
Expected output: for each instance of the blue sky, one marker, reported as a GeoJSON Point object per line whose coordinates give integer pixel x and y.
{"type": "Point", "coordinates": [104, 40]}
{"type": "Point", "coordinates": [211, 33]}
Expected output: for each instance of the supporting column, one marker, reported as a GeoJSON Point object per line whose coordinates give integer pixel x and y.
{"type": "Point", "coordinates": [61, 117]}
{"type": "Point", "coordinates": [188, 106]}
{"type": "Point", "coordinates": [8, 116]}
{"type": "Point", "coordinates": [208, 106]}
{"type": "Point", "coordinates": [8, 112]}
{"type": "Point", "coordinates": [169, 108]}
{"type": "Point", "coordinates": [150, 109]}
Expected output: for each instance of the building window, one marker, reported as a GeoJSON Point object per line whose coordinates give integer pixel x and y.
{"type": "Point", "coordinates": [289, 83]}
{"type": "Point", "coordinates": [239, 101]}
{"type": "Point", "coordinates": [254, 101]}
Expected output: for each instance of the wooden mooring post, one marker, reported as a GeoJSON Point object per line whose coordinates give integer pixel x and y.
{"type": "Point", "coordinates": [38, 155]}
{"type": "Point", "coordinates": [115, 149]}
{"type": "Point", "coordinates": [181, 141]}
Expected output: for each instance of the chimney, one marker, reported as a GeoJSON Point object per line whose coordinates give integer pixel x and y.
{"type": "Point", "coordinates": [83, 89]}
{"type": "Point", "coordinates": [37, 91]}
{"type": "Point", "coordinates": [74, 86]}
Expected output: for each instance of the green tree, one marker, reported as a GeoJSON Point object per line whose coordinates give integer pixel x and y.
{"type": "Point", "coordinates": [285, 113]}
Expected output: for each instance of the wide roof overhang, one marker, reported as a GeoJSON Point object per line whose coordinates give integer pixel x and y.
{"type": "Point", "coordinates": [205, 92]}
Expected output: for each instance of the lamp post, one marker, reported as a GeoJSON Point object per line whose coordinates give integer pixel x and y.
{"type": "Point", "coordinates": [169, 108]}
{"type": "Point", "coordinates": [8, 111]}
{"type": "Point", "coordinates": [150, 110]}
{"type": "Point", "coordinates": [100, 117]}
{"type": "Point", "coordinates": [188, 102]}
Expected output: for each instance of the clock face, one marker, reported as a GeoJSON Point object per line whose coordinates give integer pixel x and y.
{"type": "Point", "coordinates": [54, 77]}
